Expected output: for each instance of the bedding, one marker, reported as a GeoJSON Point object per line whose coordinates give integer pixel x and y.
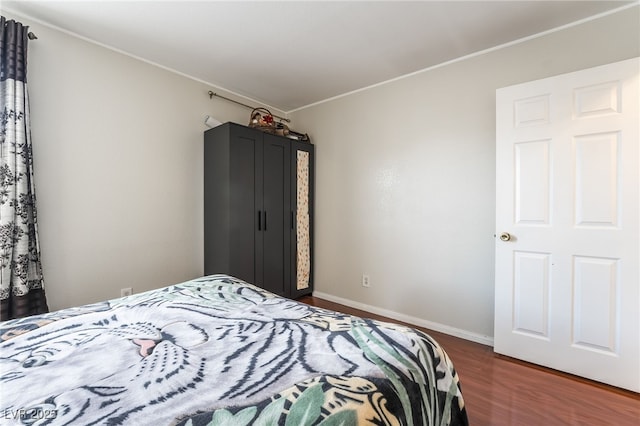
{"type": "Point", "coordinates": [219, 351]}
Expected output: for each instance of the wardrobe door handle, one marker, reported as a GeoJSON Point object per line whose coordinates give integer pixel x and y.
{"type": "Point", "coordinates": [259, 220]}
{"type": "Point", "coordinates": [292, 220]}
{"type": "Point", "coordinates": [265, 220]}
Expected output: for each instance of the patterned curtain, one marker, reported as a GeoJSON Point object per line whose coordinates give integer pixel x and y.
{"type": "Point", "coordinates": [21, 282]}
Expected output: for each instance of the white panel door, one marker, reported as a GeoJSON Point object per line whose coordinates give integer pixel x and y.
{"type": "Point", "coordinates": [567, 223]}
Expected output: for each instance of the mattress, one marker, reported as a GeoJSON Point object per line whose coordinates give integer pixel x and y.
{"type": "Point", "coordinates": [219, 351]}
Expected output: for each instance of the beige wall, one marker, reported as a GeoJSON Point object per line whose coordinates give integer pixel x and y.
{"type": "Point", "coordinates": [406, 178]}
{"type": "Point", "coordinates": [118, 168]}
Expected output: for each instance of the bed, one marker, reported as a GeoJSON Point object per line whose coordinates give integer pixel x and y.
{"type": "Point", "coordinates": [219, 351]}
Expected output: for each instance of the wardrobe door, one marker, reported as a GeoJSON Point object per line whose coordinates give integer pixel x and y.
{"type": "Point", "coordinates": [275, 221]}
{"type": "Point", "coordinates": [245, 203]}
{"type": "Point", "coordinates": [302, 191]}
{"type": "Point", "coordinates": [231, 179]}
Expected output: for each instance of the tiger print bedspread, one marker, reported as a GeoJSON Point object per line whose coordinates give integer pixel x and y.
{"type": "Point", "coordinates": [218, 351]}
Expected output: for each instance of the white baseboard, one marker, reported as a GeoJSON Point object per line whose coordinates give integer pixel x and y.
{"type": "Point", "coordinates": [442, 328]}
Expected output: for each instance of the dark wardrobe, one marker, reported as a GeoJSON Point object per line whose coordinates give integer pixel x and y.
{"type": "Point", "coordinates": [258, 208]}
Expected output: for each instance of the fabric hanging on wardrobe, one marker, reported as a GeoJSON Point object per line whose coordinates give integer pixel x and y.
{"type": "Point", "coordinates": [21, 280]}
{"type": "Point", "coordinates": [303, 235]}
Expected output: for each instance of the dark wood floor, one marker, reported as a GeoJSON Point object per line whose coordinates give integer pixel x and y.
{"type": "Point", "coordinates": [503, 391]}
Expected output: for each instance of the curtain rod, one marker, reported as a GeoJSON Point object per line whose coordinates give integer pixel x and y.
{"type": "Point", "coordinates": [212, 94]}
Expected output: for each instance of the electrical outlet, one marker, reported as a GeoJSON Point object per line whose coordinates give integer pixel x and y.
{"type": "Point", "coordinates": [365, 281]}
{"type": "Point", "coordinates": [126, 292]}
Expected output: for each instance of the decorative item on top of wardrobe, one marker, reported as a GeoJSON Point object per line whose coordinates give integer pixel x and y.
{"type": "Point", "coordinates": [262, 119]}
{"type": "Point", "coordinates": [302, 137]}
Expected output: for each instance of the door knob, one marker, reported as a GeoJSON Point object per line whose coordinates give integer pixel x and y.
{"type": "Point", "coordinates": [505, 236]}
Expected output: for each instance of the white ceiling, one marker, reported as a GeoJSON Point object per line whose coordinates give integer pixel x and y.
{"type": "Point", "coordinates": [289, 54]}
